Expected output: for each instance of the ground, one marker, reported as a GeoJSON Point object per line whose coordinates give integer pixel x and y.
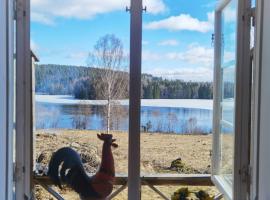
{"type": "Point", "coordinates": [158, 151]}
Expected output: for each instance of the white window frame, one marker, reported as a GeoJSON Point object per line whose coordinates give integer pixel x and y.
{"type": "Point", "coordinates": [24, 131]}
{"type": "Point", "coordinates": [6, 100]}
{"type": "Point", "coordinates": [261, 125]}
{"type": "Point", "coordinates": [24, 148]}
{"type": "Point", "coordinates": [241, 181]}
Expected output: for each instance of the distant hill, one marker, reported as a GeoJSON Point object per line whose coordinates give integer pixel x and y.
{"type": "Point", "coordinates": [61, 80]}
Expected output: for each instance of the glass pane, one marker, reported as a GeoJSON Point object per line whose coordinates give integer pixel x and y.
{"type": "Point", "coordinates": [228, 70]}
{"type": "Point", "coordinates": [176, 112]}
{"type": "Point", "coordinates": [228, 89]}
{"type": "Point", "coordinates": [227, 141]}
{"type": "Point", "coordinates": [81, 81]}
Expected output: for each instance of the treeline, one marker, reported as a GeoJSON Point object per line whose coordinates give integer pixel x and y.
{"type": "Point", "coordinates": [158, 88]}
{"type": "Point", "coordinates": [78, 81]}
{"type": "Point", "coordinates": [59, 79]}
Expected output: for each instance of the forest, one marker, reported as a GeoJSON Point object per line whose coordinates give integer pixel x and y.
{"type": "Point", "coordinates": [81, 82]}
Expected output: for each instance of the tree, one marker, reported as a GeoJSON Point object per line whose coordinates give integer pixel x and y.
{"type": "Point", "coordinates": [111, 80]}
{"type": "Point", "coordinates": [83, 89]}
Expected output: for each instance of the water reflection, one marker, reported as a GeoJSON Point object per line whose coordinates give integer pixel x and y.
{"type": "Point", "coordinates": [153, 119]}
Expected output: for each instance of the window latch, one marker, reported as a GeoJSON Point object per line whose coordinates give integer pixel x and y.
{"type": "Point", "coordinates": [252, 15]}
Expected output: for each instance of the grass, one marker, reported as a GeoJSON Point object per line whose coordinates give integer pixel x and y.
{"type": "Point", "coordinates": [160, 153]}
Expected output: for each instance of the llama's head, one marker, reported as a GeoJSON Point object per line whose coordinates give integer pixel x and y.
{"type": "Point", "coordinates": [107, 138]}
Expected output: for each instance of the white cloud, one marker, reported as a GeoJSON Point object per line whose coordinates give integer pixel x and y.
{"type": "Point", "coordinates": [181, 22]}
{"type": "Point", "coordinates": [199, 59]}
{"type": "Point", "coordinates": [187, 74]}
{"type": "Point", "coordinates": [230, 14]}
{"type": "Point", "coordinates": [168, 43]}
{"type": "Point", "coordinates": [33, 45]}
{"type": "Point", "coordinates": [195, 54]}
{"type": "Point", "coordinates": [154, 6]}
{"type": "Point", "coordinates": [149, 55]}
{"type": "Point", "coordinates": [145, 42]}
{"type": "Point", "coordinates": [45, 11]}
{"type": "Point", "coordinates": [210, 4]}
{"type": "Point", "coordinates": [211, 17]}
{"type": "Point", "coordinates": [78, 55]}
{"type": "Point", "coordinates": [229, 56]}
{"type": "Point", "coordinates": [41, 18]}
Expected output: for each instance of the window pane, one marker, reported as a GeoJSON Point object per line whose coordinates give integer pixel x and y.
{"type": "Point", "coordinates": [82, 81]}
{"type": "Point", "coordinates": [228, 70]}
{"type": "Point", "coordinates": [228, 77]}
{"type": "Point", "coordinates": [177, 75]}
{"type": "Point", "coordinates": [227, 149]}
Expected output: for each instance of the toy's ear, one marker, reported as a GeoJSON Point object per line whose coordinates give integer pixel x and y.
{"type": "Point", "coordinates": [114, 145]}
{"type": "Point", "coordinates": [99, 136]}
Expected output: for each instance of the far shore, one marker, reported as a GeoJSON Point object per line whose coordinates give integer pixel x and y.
{"type": "Point", "coordinates": [173, 103]}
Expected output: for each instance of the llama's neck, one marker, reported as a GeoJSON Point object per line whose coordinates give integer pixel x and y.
{"type": "Point", "coordinates": [107, 161]}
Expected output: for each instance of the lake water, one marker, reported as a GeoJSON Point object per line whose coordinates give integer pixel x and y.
{"type": "Point", "coordinates": [153, 119]}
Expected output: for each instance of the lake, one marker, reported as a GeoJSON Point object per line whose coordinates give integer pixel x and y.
{"type": "Point", "coordinates": [69, 114]}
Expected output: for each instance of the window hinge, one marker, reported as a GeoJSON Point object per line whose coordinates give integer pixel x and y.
{"type": "Point", "coordinates": [17, 172]}
{"type": "Point", "coordinates": [245, 173]}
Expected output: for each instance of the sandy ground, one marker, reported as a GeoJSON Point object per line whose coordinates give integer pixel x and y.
{"type": "Point", "coordinates": [157, 153]}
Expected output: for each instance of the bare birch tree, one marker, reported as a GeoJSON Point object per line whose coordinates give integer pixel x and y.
{"type": "Point", "coordinates": [110, 77]}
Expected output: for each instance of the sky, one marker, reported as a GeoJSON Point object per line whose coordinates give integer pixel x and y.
{"type": "Point", "coordinates": [176, 33]}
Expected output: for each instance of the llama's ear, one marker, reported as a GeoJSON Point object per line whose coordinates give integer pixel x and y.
{"type": "Point", "coordinates": [99, 136]}
{"type": "Point", "coordinates": [114, 145]}
{"type": "Point", "coordinates": [113, 140]}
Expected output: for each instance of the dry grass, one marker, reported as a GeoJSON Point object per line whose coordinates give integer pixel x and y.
{"type": "Point", "coordinates": [157, 153]}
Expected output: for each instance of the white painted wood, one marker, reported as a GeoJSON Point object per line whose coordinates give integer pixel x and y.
{"type": "Point", "coordinates": [52, 192]}
{"type": "Point", "coordinates": [223, 186]}
{"type": "Point", "coordinates": [3, 100]}
{"type": "Point", "coordinates": [134, 182]}
{"type": "Point", "coordinates": [33, 109]}
{"type": "Point", "coordinates": [23, 102]}
{"type": "Point", "coordinates": [256, 102]}
{"type": "Point", "coordinates": [163, 196]}
{"type": "Point", "coordinates": [118, 191]}
{"type": "Point", "coordinates": [216, 177]}
{"type": "Point", "coordinates": [242, 104]}
{"type": "Point", "coordinates": [11, 101]}
{"type": "Point", "coordinates": [222, 4]}
{"type": "Point", "coordinates": [217, 96]}
{"type": "Point", "coordinates": [6, 100]}
{"type": "Point", "coordinates": [154, 179]}
{"type": "Point", "coordinates": [241, 177]}
{"type": "Point", "coordinates": [264, 115]}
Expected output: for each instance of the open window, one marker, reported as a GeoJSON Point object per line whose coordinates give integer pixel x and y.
{"type": "Point", "coordinates": [231, 102]}
{"type": "Point", "coordinates": [232, 108]}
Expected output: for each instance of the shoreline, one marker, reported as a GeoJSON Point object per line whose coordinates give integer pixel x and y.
{"type": "Point", "coordinates": [205, 104]}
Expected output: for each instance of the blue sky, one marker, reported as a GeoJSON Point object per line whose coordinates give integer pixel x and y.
{"type": "Point", "coordinates": [176, 33]}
